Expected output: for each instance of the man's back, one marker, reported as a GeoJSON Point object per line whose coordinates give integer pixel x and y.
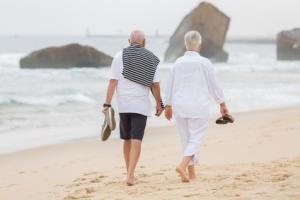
{"type": "Point", "coordinates": [132, 97]}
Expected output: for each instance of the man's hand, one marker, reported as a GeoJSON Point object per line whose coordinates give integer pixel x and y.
{"type": "Point", "coordinates": [104, 109]}
{"type": "Point", "coordinates": [155, 89]}
{"type": "Point", "coordinates": [168, 112]}
{"type": "Point", "coordinates": [110, 93]}
{"type": "Point", "coordinates": [223, 109]}
{"type": "Point", "coordinates": [159, 110]}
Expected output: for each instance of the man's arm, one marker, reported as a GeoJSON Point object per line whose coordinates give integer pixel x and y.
{"type": "Point", "coordinates": [110, 92]}
{"type": "Point", "coordinates": [155, 88]}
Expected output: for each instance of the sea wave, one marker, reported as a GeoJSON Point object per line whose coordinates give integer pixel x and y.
{"type": "Point", "coordinates": [51, 100]}
{"type": "Point", "coordinates": [10, 60]}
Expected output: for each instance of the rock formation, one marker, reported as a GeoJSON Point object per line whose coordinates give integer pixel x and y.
{"type": "Point", "coordinates": [69, 56]}
{"type": "Point", "coordinates": [288, 45]}
{"type": "Point", "coordinates": [213, 26]}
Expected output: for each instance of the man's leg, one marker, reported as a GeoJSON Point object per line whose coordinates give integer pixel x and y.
{"type": "Point", "coordinates": [126, 152]}
{"type": "Point", "coordinates": [135, 151]}
{"type": "Point", "coordinates": [125, 125]}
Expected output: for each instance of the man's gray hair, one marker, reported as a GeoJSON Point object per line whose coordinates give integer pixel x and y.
{"type": "Point", "coordinates": [192, 40]}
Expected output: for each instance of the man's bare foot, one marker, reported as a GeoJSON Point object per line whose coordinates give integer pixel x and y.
{"type": "Point", "coordinates": [130, 181]}
{"type": "Point", "coordinates": [182, 175]}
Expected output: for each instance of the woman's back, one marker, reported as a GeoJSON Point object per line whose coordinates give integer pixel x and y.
{"type": "Point", "coordinates": [191, 85]}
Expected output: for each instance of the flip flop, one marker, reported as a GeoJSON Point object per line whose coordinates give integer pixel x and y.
{"type": "Point", "coordinates": [225, 119]}
{"type": "Point", "coordinates": [105, 133]}
{"type": "Point", "coordinates": [109, 124]}
{"type": "Point", "coordinates": [221, 121]}
{"type": "Point", "coordinates": [110, 116]}
{"type": "Point", "coordinates": [228, 118]}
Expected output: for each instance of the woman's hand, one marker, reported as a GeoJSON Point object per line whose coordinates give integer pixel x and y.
{"type": "Point", "coordinates": [223, 109]}
{"type": "Point", "coordinates": [168, 112]}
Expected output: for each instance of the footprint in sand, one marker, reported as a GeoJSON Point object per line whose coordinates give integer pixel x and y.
{"type": "Point", "coordinates": [164, 170]}
{"type": "Point", "coordinates": [143, 175]}
{"type": "Point", "coordinates": [91, 173]}
{"type": "Point", "coordinates": [80, 179]}
{"type": "Point", "coordinates": [279, 177]}
{"type": "Point", "coordinates": [70, 197]}
{"type": "Point", "coordinates": [96, 180]}
{"type": "Point", "coordinates": [90, 190]}
{"type": "Point", "coordinates": [73, 197]}
{"type": "Point", "coordinates": [191, 195]}
{"type": "Point", "coordinates": [157, 173]}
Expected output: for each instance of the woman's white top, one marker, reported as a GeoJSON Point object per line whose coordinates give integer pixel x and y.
{"type": "Point", "coordinates": [191, 84]}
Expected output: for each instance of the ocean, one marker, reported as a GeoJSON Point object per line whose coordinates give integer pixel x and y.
{"type": "Point", "coordinates": [45, 106]}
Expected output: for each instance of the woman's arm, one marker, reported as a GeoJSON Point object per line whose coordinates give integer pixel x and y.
{"type": "Point", "coordinates": [169, 95]}
{"type": "Point", "coordinates": [215, 90]}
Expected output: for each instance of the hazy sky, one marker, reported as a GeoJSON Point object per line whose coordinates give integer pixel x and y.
{"type": "Point", "coordinates": [262, 18]}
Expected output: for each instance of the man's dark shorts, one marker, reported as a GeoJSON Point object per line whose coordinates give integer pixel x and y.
{"type": "Point", "coordinates": [132, 126]}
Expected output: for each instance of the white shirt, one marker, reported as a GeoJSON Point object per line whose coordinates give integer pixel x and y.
{"type": "Point", "coordinates": [131, 97]}
{"type": "Point", "coordinates": [191, 84]}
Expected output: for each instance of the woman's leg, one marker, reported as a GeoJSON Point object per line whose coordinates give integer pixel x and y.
{"type": "Point", "coordinates": [196, 129]}
{"type": "Point", "coordinates": [191, 171]}
{"type": "Point", "coordinates": [181, 168]}
{"type": "Point", "coordinates": [181, 125]}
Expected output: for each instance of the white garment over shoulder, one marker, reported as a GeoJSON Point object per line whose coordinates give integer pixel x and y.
{"type": "Point", "coordinates": [191, 84]}
{"type": "Point", "coordinates": [131, 97]}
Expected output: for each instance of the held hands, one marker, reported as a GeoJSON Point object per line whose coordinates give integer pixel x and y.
{"type": "Point", "coordinates": [159, 110]}
{"type": "Point", "coordinates": [168, 112]}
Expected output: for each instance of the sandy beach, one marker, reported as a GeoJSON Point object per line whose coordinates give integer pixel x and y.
{"type": "Point", "coordinates": [258, 158]}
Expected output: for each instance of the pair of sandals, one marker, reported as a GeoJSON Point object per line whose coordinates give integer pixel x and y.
{"type": "Point", "coordinates": [109, 124]}
{"type": "Point", "coordinates": [225, 119]}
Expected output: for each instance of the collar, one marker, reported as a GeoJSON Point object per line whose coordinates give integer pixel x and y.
{"type": "Point", "coordinates": [191, 53]}
{"type": "Point", "coordinates": [136, 45]}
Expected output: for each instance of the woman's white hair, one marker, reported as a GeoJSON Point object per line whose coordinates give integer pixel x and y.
{"type": "Point", "coordinates": [192, 40]}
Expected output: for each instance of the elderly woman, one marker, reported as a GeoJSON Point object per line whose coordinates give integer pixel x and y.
{"type": "Point", "coordinates": [188, 94]}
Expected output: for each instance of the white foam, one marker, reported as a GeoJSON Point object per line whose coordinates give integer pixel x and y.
{"type": "Point", "coordinates": [51, 100]}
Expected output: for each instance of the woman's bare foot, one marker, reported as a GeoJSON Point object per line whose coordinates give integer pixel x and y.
{"type": "Point", "coordinates": [192, 174]}
{"type": "Point", "coordinates": [192, 177]}
{"type": "Point", "coordinates": [182, 175]}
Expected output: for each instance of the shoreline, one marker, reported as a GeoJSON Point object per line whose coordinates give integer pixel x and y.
{"type": "Point", "coordinates": [162, 124]}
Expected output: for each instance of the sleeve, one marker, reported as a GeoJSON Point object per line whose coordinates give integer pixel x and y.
{"type": "Point", "coordinates": [156, 75]}
{"type": "Point", "coordinates": [116, 67]}
{"type": "Point", "coordinates": [213, 86]}
{"type": "Point", "coordinates": [169, 88]}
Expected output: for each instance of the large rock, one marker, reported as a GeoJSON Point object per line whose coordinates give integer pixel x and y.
{"type": "Point", "coordinates": [288, 45]}
{"type": "Point", "coordinates": [69, 56]}
{"type": "Point", "coordinates": [213, 26]}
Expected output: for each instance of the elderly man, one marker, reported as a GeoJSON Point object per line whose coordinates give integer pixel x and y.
{"type": "Point", "coordinates": [134, 74]}
{"type": "Point", "coordinates": [188, 94]}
